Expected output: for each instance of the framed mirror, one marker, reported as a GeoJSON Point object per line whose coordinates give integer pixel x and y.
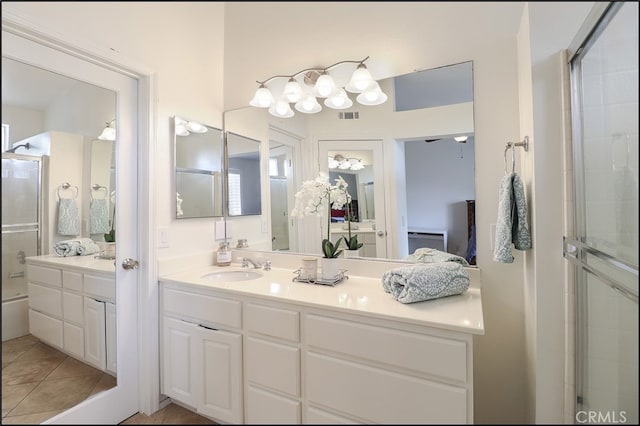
{"type": "Point", "coordinates": [199, 154]}
{"type": "Point", "coordinates": [425, 195]}
{"type": "Point", "coordinates": [244, 180]}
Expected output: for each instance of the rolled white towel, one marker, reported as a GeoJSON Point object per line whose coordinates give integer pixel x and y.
{"type": "Point", "coordinates": [78, 247]}
{"type": "Point", "coordinates": [425, 281]}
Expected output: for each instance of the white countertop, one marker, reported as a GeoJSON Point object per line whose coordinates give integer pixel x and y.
{"type": "Point", "coordinates": [357, 294]}
{"type": "Point", "coordinates": [84, 263]}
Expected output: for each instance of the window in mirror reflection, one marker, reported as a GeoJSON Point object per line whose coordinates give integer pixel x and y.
{"type": "Point", "coordinates": [243, 171]}
{"type": "Point", "coordinates": [198, 166]}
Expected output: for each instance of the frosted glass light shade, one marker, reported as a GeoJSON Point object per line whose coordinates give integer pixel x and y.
{"type": "Point", "coordinates": [461, 138]}
{"type": "Point", "coordinates": [325, 85]}
{"type": "Point", "coordinates": [357, 164]}
{"type": "Point", "coordinates": [292, 90]}
{"type": "Point", "coordinates": [308, 105]}
{"type": "Point", "coordinates": [360, 80]}
{"type": "Point", "coordinates": [195, 127]}
{"type": "Point", "coordinates": [281, 109]}
{"type": "Point", "coordinates": [339, 100]}
{"type": "Point", "coordinates": [333, 163]}
{"type": "Point", "coordinates": [263, 98]}
{"type": "Point", "coordinates": [109, 132]}
{"type": "Point", "coordinates": [372, 96]}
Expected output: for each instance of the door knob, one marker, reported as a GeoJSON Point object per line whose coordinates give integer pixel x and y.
{"type": "Point", "coordinates": [381, 233]}
{"type": "Point", "coordinates": [129, 263]}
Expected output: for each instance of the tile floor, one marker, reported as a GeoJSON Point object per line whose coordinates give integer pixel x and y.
{"type": "Point", "coordinates": [39, 382]}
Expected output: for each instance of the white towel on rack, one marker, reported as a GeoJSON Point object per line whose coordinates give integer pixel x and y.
{"type": "Point", "coordinates": [99, 216]}
{"type": "Point", "coordinates": [512, 226]}
{"type": "Point", "coordinates": [68, 217]}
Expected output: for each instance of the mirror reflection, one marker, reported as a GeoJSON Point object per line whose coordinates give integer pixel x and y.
{"type": "Point", "coordinates": [198, 167]}
{"type": "Point", "coordinates": [58, 187]}
{"type": "Point", "coordinates": [420, 191]}
{"type": "Point", "coordinates": [243, 176]}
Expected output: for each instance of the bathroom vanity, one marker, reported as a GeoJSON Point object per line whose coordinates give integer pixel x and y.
{"type": "Point", "coordinates": [271, 350]}
{"type": "Point", "coordinates": [72, 307]}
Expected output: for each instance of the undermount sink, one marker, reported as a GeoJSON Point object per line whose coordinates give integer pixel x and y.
{"type": "Point", "coordinates": [232, 275]}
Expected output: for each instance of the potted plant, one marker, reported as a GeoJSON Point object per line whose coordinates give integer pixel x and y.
{"type": "Point", "coordinates": [353, 246]}
{"type": "Point", "coordinates": [110, 237]}
{"type": "Point", "coordinates": [315, 197]}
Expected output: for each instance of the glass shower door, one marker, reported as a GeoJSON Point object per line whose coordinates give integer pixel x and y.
{"type": "Point", "coordinates": [604, 71]}
{"type": "Point", "coordinates": [21, 202]}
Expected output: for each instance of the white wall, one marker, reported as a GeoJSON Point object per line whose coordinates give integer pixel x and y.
{"type": "Point", "coordinates": [23, 122]}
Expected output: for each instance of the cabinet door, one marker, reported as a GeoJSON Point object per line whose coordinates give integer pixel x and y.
{"type": "Point", "coordinates": [110, 313]}
{"type": "Point", "coordinates": [180, 376]}
{"type": "Point", "coordinates": [94, 330]}
{"type": "Point", "coordinates": [220, 368]}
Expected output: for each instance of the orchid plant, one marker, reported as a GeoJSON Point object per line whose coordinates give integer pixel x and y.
{"type": "Point", "coordinates": [318, 196]}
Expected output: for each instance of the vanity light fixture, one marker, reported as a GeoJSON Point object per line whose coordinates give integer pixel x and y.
{"type": "Point", "coordinates": [461, 139]}
{"type": "Point", "coordinates": [185, 128]}
{"type": "Point", "coordinates": [318, 83]}
{"type": "Point", "coordinates": [340, 162]}
{"type": "Point", "coordinates": [109, 132]}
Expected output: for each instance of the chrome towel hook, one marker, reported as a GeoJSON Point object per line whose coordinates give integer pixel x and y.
{"type": "Point", "coordinates": [512, 145]}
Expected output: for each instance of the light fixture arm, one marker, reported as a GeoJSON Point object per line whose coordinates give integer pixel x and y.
{"type": "Point", "coordinates": [321, 70]}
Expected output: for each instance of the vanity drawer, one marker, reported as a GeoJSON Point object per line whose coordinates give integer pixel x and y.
{"type": "Point", "coordinates": [45, 328]}
{"type": "Point", "coordinates": [45, 275]}
{"type": "Point", "coordinates": [435, 356]}
{"type": "Point", "coordinates": [199, 307]}
{"type": "Point", "coordinates": [381, 396]}
{"type": "Point", "coordinates": [267, 408]}
{"type": "Point", "coordinates": [102, 287]}
{"type": "Point", "coordinates": [273, 365]}
{"type": "Point", "coordinates": [73, 308]}
{"type": "Point", "coordinates": [45, 299]}
{"type": "Point", "coordinates": [270, 321]}
{"type": "Point", "coordinates": [72, 281]}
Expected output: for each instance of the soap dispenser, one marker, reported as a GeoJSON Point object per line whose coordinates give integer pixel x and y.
{"type": "Point", "coordinates": [223, 256]}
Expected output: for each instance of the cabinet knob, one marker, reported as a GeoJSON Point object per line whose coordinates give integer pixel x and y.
{"type": "Point", "coordinates": [129, 263]}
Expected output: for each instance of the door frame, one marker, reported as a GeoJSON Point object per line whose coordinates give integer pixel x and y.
{"type": "Point", "coordinates": [143, 372]}
{"type": "Point", "coordinates": [377, 147]}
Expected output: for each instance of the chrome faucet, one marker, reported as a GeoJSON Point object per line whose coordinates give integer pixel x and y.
{"type": "Point", "coordinates": [246, 261]}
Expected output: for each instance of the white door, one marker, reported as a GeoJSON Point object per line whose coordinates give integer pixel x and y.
{"type": "Point", "coordinates": [120, 402]}
{"type": "Point", "coordinates": [366, 159]}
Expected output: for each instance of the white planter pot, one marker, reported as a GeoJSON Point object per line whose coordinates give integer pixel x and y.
{"type": "Point", "coordinates": [351, 253]}
{"type": "Point", "coordinates": [329, 268]}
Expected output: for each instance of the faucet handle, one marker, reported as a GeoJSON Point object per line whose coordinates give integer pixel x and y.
{"type": "Point", "coordinates": [245, 263]}
{"type": "Point", "coordinates": [267, 265]}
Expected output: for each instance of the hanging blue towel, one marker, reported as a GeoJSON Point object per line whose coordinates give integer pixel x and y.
{"type": "Point", "coordinates": [99, 216]}
{"type": "Point", "coordinates": [512, 226]}
{"type": "Point", "coordinates": [68, 217]}
{"type": "Point", "coordinates": [417, 283]}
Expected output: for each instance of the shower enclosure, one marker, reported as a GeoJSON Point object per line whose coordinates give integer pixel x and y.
{"type": "Point", "coordinates": [21, 234]}
{"type": "Point", "coordinates": [604, 247]}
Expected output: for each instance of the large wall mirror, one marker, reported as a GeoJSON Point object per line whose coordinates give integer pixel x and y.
{"type": "Point", "coordinates": [57, 122]}
{"type": "Point", "coordinates": [418, 192]}
{"type": "Point", "coordinates": [198, 151]}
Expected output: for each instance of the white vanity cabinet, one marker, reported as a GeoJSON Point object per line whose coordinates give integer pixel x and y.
{"type": "Point", "coordinates": [301, 363]}
{"type": "Point", "coordinates": [202, 353]}
{"type": "Point", "coordinates": [68, 309]}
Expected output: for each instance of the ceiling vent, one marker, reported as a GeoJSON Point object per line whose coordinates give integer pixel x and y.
{"type": "Point", "coordinates": [354, 115]}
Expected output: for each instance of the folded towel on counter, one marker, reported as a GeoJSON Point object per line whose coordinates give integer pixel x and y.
{"type": "Point", "coordinates": [430, 255]}
{"type": "Point", "coordinates": [417, 283]}
{"type": "Point", "coordinates": [99, 216]}
{"type": "Point", "coordinates": [512, 226]}
{"type": "Point", "coordinates": [79, 247]}
{"type": "Point", "coordinates": [68, 217]}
